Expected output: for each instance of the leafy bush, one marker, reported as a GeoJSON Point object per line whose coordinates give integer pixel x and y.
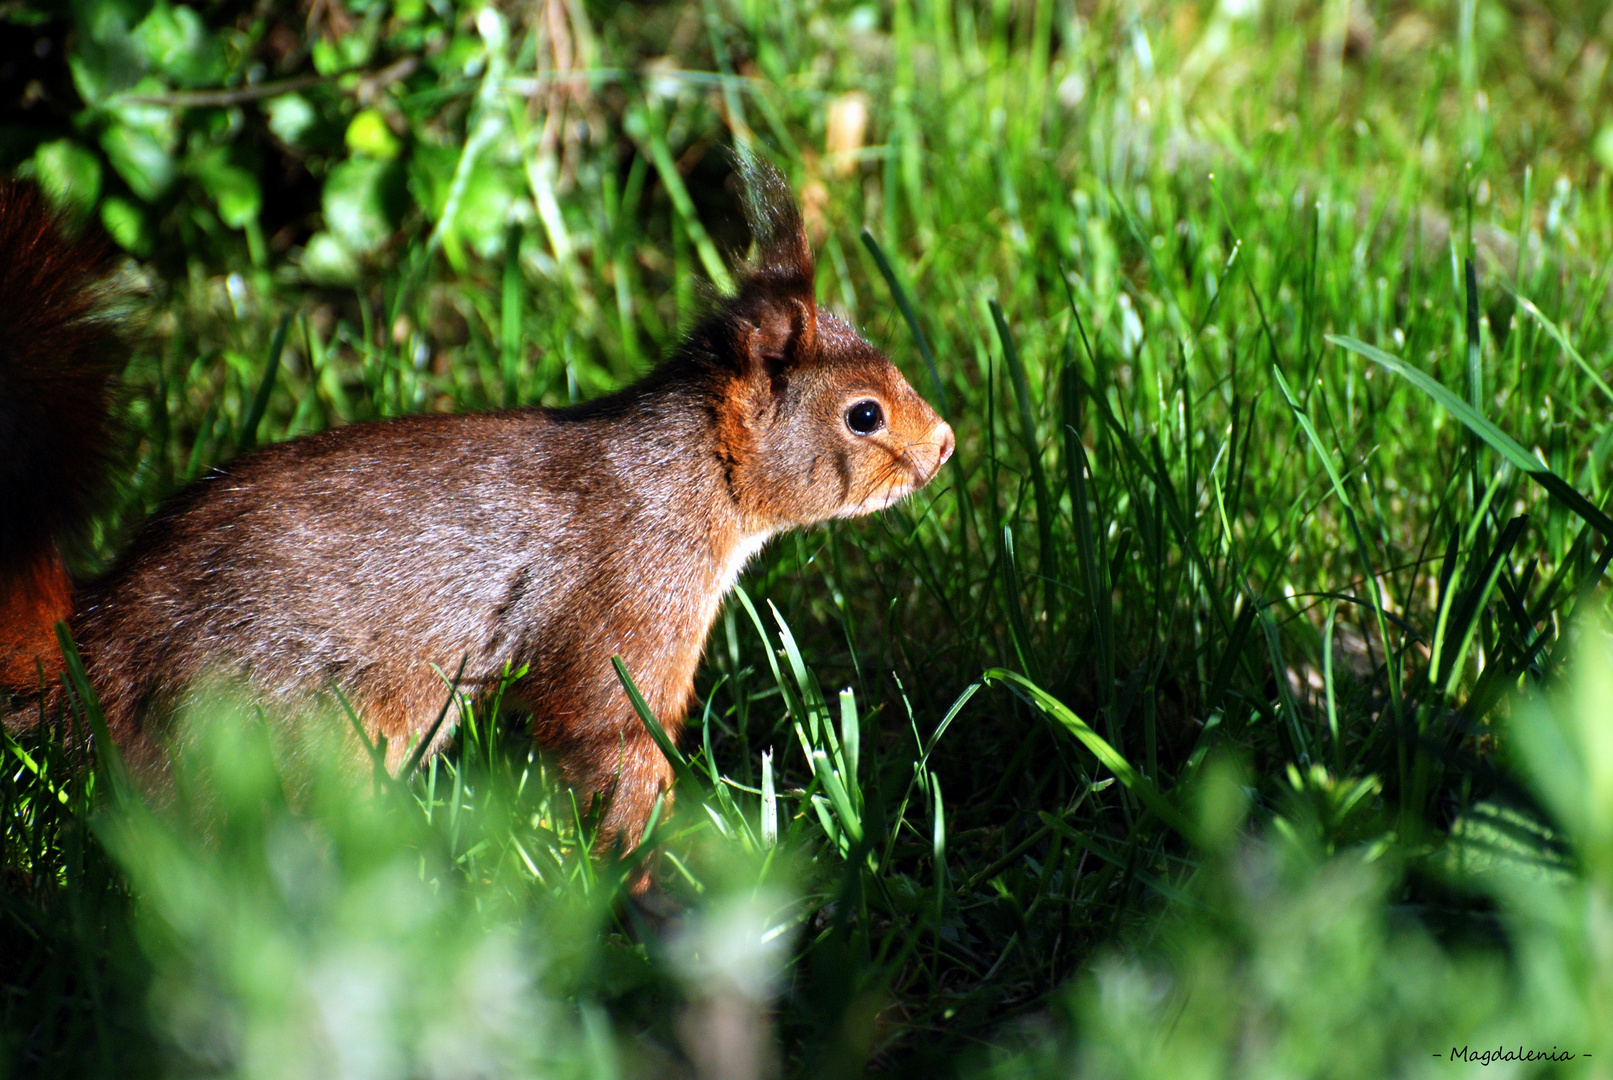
{"type": "Point", "coordinates": [217, 132]}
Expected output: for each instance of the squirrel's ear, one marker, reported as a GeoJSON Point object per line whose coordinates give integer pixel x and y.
{"type": "Point", "coordinates": [778, 336]}
{"type": "Point", "coordinates": [775, 315]}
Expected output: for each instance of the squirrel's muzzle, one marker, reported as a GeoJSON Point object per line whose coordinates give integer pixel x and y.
{"type": "Point", "coordinates": [946, 442]}
{"type": "Point", "coordinates": [933, 452]}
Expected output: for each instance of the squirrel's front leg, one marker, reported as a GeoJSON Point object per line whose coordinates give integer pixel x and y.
{"type": "Point", "coordinates": [613, 759]}
{"type": "Point", "coordinates": [630, 774]}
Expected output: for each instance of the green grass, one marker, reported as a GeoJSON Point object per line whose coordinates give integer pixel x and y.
{"type": "Point", "coordinates": [1184, 725]}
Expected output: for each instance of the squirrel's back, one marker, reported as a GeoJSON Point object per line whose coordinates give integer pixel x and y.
{"type": "Point", "coordinates": [370, 553]}
{"type": "Point", "coordinates": [58, 361]}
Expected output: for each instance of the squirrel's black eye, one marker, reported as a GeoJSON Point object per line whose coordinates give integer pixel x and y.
{"type": "Point", "coordinates": [865, 418]}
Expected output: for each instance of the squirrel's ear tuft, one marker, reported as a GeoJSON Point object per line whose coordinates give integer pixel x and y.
{"type": "Point", "coordinates": [783, 256]}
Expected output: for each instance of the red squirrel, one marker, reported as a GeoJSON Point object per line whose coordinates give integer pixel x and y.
{"type": "Point", "coordinates": [370, 557]}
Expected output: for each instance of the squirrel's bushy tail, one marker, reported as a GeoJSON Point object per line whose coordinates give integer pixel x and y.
{"type": "Point", "coordinates": [59, 357]}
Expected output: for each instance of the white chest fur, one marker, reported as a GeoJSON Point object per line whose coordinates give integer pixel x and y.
{"type": "Point", "coordinates": [742, 554]}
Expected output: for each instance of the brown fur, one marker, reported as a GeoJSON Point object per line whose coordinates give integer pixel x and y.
{"type": "Point", "coordinates": [31, 604]}
{"type": "Point", "coordinates": [372, 557]}
{"type": "Point", "coordinates": [57, 362]}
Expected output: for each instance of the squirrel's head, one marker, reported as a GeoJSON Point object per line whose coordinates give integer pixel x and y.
{"type": "Point", "coordinates": [813, 422]}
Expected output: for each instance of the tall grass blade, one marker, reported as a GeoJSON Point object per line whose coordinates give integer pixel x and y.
{"type": "Point", "coordinates": [645, 126]}
{"type": "Point", "coordinates": [769, 802]}
{"type": "Point", "coordinates": [107, 756]}
{"type": "Point", "coordinates": [1013, 600]}
{"type": "Point", "coordinates": [1027, 426]}
{"type": "Point", "coordinates": [1089, 541]}
{"type": "Point", "coordinates": [817, 710]}
{"type": "Point", "coordinates": [905, 306]}
{"type": "Point", "coordinates": [839, 797]}
{"type": "Point", "coordinates": [1556, 334]}
{"type": "Point", "coordinates": [674, 756]}
{"type": "Point", "coordinates": [850, 737]}
{"type": "Point", "coordinates": [792, 701]}
{"type": "Point", "coordinates": [260, 400]}
{"type": "Point", "coordinates": [419, 752]}
{"type": "Point", "coordinates": [1497, 439]}
{"type": "Point", "coordinates": [1362, 550]}
{"type": "Point", "coordinates": [1100, 749]}
{"type": "Point", "coordinates": [509, 322]}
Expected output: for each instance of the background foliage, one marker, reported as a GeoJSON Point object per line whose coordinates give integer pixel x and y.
{"type": "Point", "coordinates": [1217, 715]}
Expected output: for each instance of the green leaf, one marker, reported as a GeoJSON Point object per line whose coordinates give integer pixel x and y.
{"type": "Point", "coordinates": [126, 223]}
{"type": "Point", "coordinates": [234, 189]}
{"type": "Point", "coordinates": [69, 174]}
{"type": "Point", "coordinates": [368, 133]}
{"type": "Point", "coordinates": [141, 157]}
{"type": "Point", "coordinates": [328, 261]}
{"type": "Point", "coordinates": [175, 41]}
{"type": "Point", "coordinates": [105, 59]}
{"type": "Point", "coordinates": [431, 175]}
{"type": "Point", "coordinates": [1602, 147]}
{"type": "Point", "coordinates": [327, 58]}
{"type": "Point", "coordinates": [290, 117]}
{"type": "Point", "coordinates": [238, 198]}
{"type": "Point", "coordinates": [492, 198]}
{"type": "Point", "coordinates": [358, 203]}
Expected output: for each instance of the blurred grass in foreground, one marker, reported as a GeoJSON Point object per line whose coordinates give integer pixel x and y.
{"type": "Point", "coordinates": [292, 917]}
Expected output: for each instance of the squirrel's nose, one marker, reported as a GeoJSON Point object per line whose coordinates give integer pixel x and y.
{"type": "Point", "coordinates": [948, 444]}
